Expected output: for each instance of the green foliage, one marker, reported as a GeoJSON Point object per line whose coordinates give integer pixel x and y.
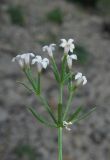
{"type": "Point", "coordinates": [16, 15]}
{"type": "Point", "coordinates": [25, 150]}
{"type": "Point", "coordinates": [55, 15]}
{"type": "Point", "coordinates": [82, 54]}
{"type": "Point", "coordinates": [85, 3]}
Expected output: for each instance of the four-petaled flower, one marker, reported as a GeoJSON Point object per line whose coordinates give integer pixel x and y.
{"type": "Point", "coordinates": [41, 63]}
{"type": "Point", "coordinates": [80, 79]}
{"type": "Point", "coordinates": [24, 60]}
{"type": "Point", "coordinates": [49, 49]}
{"type": "Point", "coordinates": [70, 58]}
{"type": "Point", "coordinates": [67, 45]}
{"type": "Point", "coordinates": [67, 124]}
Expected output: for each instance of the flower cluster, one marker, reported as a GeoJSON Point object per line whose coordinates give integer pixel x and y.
{"type": "Point", "coordinates": [26, 60]}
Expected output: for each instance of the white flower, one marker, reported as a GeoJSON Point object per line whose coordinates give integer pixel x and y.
{"type": "Point", "coordinates": [70, 58]}
{"type": "Point", "coordinates": [24, 60]}
{"type": "Point", "coordinates": [49, 49]}
{"type": "Point", "coordinates": [67, 45]}
{"type": "Point", "coordinates": [80, 79]}
{"type": "Point", "coordinates": [66, 124]}
{"type": "Point", "coordinates": [41, 63]}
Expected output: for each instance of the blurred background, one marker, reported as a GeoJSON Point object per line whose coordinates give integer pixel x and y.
{"type": "Point", "coordinates": [27, 25]}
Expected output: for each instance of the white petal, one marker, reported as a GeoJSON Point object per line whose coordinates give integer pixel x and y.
{"type": "Point", "coordinates": [64, 123]}
{"type": "Point", "coordinates": [45, 48]}
{"type": "Point", "coordinates": [70, 41]}
{"type": "Point", "coordinates": [78, 75]}
{"type": "Point", "coordinates": [63, 43]}
{"type": "Point", "coordinates": [73, 56]}
{"type": "Point", "coordinates": [27, 59]}
{"type": "Point", "coordinates": [69, 123]}
{"type": "Point", "coordinates": [32, 55]}
{"type": "Point", "coordinates": [44, 65]}
{"type": "Point", "coordinates": [39, 67]}
{"type": "Point", "coordinates": [52, 46]}
{"type": "Point", "coordinates": [14, 59]}
{"type": "Point", "coordinates": [21, 63]}
{"type": "Point", "coordinates": [34, 61]}
{"type": "Point", "coordinates": [84, 80]}
{"type": "Point", "coordinates": [39, 58]}
{"type": "Point", "coordinates": [67, 128]}
{"type": "Point", "coordinates": [72, 46]}
{"type": "Point", "coordinates": [45, 62]}
{"type": "Point", "coordinates": [19, 60]}
{"type": "Point", "coordinates": [49, 49]}
{"type": "Point", "coordinates": [69, 61]}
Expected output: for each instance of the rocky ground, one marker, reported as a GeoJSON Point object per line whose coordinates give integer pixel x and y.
{"type": "Point", "coordinates": [89, 140]}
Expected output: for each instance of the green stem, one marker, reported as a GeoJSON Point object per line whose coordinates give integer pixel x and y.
{"type": "Point", "coordinates": [68, 105]}
{"type": "Point", "coordinates": [39, 85]}
{"type": "Point", "coordinates": [61, 95]}
{"type": "Point", "coordinates": [60, 107]}
{"type": "Point", "coordinates": [30, 79]}
{"type": "Point", "coordinates": [60, 143]}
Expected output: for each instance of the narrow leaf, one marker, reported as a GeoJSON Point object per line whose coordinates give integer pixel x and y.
{"type": "Point", "coordinates": [40, 118]}
{"type": "Point", "coordinates": [38, 83]}
{"type": "Point", "coordinates": [31, 80]}
{"type": "Point", "coordinates": [48, 108]}
{"type": "Point", "coordinates": [30, 89]}
{"type": "Point", "coordinates": [75, 114]}
{"type": "Point", "coordinates": [85, 115]}
{"type": "Point", "coordinates": [55, 70]}
{"type": "Point", "coordinates": [55, 74]}
{"type": "Point", "coordinates": [63, 68]}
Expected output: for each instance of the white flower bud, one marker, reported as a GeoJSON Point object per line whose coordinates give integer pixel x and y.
{"type": "Point", "coordinates": [24, 60]}
{"type": "Point", "coordinates": [80, 79]}
{"type": "Point", "coordinates": [49, 49]}
{"type": "Point", "coordinates": [70, 58]}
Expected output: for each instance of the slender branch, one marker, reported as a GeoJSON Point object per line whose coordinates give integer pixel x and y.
{"type": "Point", "coordinates": [68, 105]}
{"type": "Point", "coordinates": [38, 83]}
{"type": "Point", "coordinates": [60, 123]}
{"type": "Point", "coordinates": [60, 143]}
{"type": "Point", "coordinates": [61, 95]}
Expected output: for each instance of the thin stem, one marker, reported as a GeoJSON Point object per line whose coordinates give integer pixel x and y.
{"type": "Point", "coordinates": [60, 123]}
{"type": "Point", "coordinates": [61, 95]}
{"type": "Point", "coordinates": [38, 83]}
{"type": "Point", "coordinates": [30, 80]}
{"type": "Point", "coordinates": [60, 143]}
{"type": "Point", "coordinates": [60, 107]}
{"type": "Point", "coordinates": [68, 105]}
